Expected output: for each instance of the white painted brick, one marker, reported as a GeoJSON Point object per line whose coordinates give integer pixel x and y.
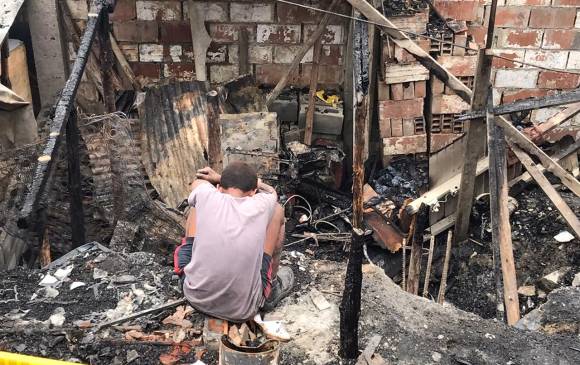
{"type": "Point", "coordinates": [211, 11]}
{"type": "Point", "coordinates": [130, 51]}
{"type": "Point", "coordinates": [577, 24]}
{"type": "Point", "coordinates": [526, 2]}
{"type": "Point", "coordinates": [522, 78]}
{"type": "Point", "coordinates": [286, 54]}
{"type": "Point", "coordinates": [247, 12]}
{"type": "Point", "coordinates": [542, 115]}
{"type": "Point", "coordinates": [151, 53]}
{"type": "Point", "coordinates": [519, 55]}
{"type": "Point", "coordinates": [553, 59]}
{"type": "Point", "coordinates": [158, 10]}
{"type": "Point", "coordinates": [175, 52]}
{"type": "Point", "coordinates": [223, 73]}
{"type": "Point", "coordinates": [574, 60]}
{"type": "Point", "coordinates": [260, 54]}
{"type": "Point", "coordinates": [333, 34]}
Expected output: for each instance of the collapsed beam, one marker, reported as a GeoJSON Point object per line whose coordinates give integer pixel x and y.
{"type": "Point", "coordinates": [528, 104]}
{"type": "Point", "coordinates": [57, 127]}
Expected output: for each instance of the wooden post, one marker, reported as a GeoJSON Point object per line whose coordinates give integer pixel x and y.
{"type": "Point", "coordinates": [214, 153]}
{"type": "Point", "coordinates": [443, 285]}
{"type": "Point", "coordinates": [500, 217]}
{"type": "Point", "coordinates": [476, 132]}
{"type": "Point", "coordinates": [421, 223]}
{"type": "Point", "coordinates": [312, 93]}
{"type": "Point", "coordinates": [300, 54]}
{"type": "Point", "coordinates": [201, 40]}
{"type": "Point", "coordinates": [429, 263]}
{"type": "Point", "coordinates": [350, 304]}
{"type": "Point", "coordinates": [552, 194]}
{"type": "Point", "coordinates": [77, 217]}
{"type": "Point", "coordinates": [107, 63]}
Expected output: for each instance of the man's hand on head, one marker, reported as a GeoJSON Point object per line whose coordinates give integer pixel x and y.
{"type": "Point", "coordinates": [209, 175]}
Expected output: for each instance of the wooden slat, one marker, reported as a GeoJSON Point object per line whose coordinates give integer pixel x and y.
{"type": "Point", "coordinates": [552, 194]}
{"type": "Point", "coordinates": [312, 92]}
{"type": "Point", "coordinates": [201, 40]}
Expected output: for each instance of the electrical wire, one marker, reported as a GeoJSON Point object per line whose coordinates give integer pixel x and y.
{"type": "Point", "coordinates": [328, 224]}
{"type": "Point", "coordinates": [309, 209]}
{"type": "Point", "coordinates": [441, 41]}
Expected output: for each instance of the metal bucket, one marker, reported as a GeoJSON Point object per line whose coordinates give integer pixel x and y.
{"type": "Point", "coordinates": [266, 354]}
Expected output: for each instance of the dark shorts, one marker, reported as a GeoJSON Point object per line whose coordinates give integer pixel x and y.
{"type": "Point", "coordinates": [182, 257]}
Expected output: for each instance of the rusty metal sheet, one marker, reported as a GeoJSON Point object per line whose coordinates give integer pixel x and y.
{"type": "Point", "coordinates": [174, 137]}
{"type": "Point", "coordinates": [8, 12]}
{"type": "Point", "coordinates": [405, 145]}
{"type": "Point", "coordinates": [253, 138]}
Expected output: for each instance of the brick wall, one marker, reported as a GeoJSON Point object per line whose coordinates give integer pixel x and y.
{"type": "Point", "coordinates": [156, 39]}
{"type": "Point", "coordinates": [543, 32]}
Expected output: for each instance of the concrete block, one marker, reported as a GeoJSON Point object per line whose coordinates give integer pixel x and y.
{"type": "Point", "coordinates": [552, 59]}
{"type": "Point", "coordinates": [158, 10]}
{"type": "Point", "coordinates": [151, 53]}
{"type": "Point", "coordinates": [327, 120]}
{"type": "Point", "coordinates": [286, 106]}
{"type": "Point", "coordinates": [248, 12]}
{"type": "Point", "coordinates": [277, 33]}
{"type": "Point", "coordinates": [223, 73]}
{"type": "Point", "coordinates": [211, 11]}
{"type": "Point", "coordinates": [332, 35]}
{"type": "Point", "coordinates": [523, 78]}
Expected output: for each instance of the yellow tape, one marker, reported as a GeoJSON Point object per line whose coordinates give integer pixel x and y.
{"type": "Point", "coordinates": [7, 358]}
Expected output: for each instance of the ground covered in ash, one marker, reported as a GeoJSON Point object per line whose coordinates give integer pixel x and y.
{"type": "Point", "coordinates": [537, 253]}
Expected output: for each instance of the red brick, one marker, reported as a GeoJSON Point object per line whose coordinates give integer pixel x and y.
{"type": "Point", "coordinates": [519, 38]}
{"type": "Point", "coordinates": [223, 33]}
{"type": "Point", "coordinates": [333, 34]}
{"type": "Point", "coordinates": [327, 75]}
{"type": "Point", "coordinates": [478, 33]}
{"type": "Point", "coordinates": [291, 14]}
{"type": "Point", "coordinates": [401, 108]}
{"type": "Point", "coordinates": [269, 74]}
{"type": "Point", "coordinates": [175, 32]}
{"type": "Point", "coordinates": [502, 63]}
{"type": "Point", "coordinates": [562, 39]}
{"type": "Point", "coordinates": [124, 10]}
{"type": "Point", "coordinates": [183, 71]}
{"type": "Point", "coordinates": [138, 31]}
{"type": "Point", "coordinates": [547, 17]}
{"type": "Point", "coordinates": [558, 80]}
{"type": "Point", "coordinates": [459, 65]}
{"type": "Point", "coordinates": [566, 3]}
{"type": "Point", "coordinates": [516, 17]}
{"type": "Point", "coordinates": [511, 96]}
{"type": "Point", "coordinates": [457, 9]}
{"type": "Point", "coordinates": [148, 70]}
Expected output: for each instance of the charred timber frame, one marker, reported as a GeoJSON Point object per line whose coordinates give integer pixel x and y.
{"type": "Point", "coordinates": [65, 104]}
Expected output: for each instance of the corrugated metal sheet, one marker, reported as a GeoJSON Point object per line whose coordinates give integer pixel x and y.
{"type": "Point", "coordinates": [174, 137]}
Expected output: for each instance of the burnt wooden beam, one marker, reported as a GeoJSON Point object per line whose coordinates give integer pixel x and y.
{"type": "Point", "coordinates": [500, 218]}
{"type": "Point", "coordinates": [300, 54]}
{"type": "Point", "coordinates": [214, 153]}
{"type": "Point", "coordinates": [402, 40]}
{"type": "Point", "coordinates": [77, 218]}
{"type": "Point", "coordinates": [536, 132]}
{"type": "Point", "coordinates": [62, 111]}
{"type": "Point", "coordinates": [567, 213]}
{"type": "Point", "coordinates": [312, 93]}
{"type": "Point", "coordinates": [476, 135]}
{"type": "Point", "coordinates": [528, 104]}
{"type": "Point", "coordinates": [4, 54]}
{"type": "Point", "coordinates": [421, 223]}
{"type": "Point", "coordinates": [107, 63]}
{"type": "Point", "coordinates": [351, 297]}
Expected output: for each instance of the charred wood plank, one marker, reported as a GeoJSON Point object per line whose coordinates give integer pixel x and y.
{"type": "Point", "coordinates": [214, 149]}
{"type": "Point", "coordinates": [500, 217]}
{"type": "Point", "coordinates": [351, 297]}
{"type": "Point", "coordinates": [77, 217]}
{"type": "Point", "coordinates": [567, 97]}
{"type": "Point", "coordinates": [107, 63]}
{"type": "Point", "coordinates": [567, 213]}
{"type": "Point", "coordinates": [57, 127]}
{"type": "Point", "coordinates": [421, 223]}
{"type": "Point", "coordinates": [312, 92]}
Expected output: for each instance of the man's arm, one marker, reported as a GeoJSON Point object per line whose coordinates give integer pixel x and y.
{"type": "Point", "coordinates": [207, 174]}
{"type": "Point", "coordinates": [265, 188]}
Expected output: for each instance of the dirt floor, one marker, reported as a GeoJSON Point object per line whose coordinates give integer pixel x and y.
{"type": "Point", "coordinates": [58, 322]}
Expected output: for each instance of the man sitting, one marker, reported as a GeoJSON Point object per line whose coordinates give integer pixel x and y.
{"type": "Point", "coordinates": [234, 239]}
